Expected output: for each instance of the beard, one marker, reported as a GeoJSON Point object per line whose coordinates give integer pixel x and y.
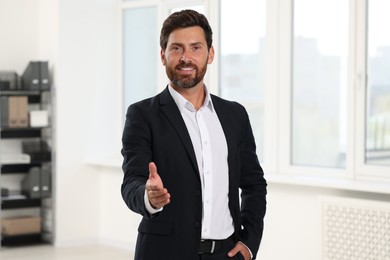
{"type": "Point", "coordinates": [186, 81]}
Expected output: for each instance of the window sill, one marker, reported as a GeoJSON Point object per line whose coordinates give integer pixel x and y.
{"type": "Point", "coordinates": [373, 186]}
{"type": "Point", "coordinates": [113, 161]}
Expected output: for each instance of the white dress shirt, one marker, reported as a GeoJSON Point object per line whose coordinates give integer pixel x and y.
{"type": "Point", "coordinates": [209, 142]}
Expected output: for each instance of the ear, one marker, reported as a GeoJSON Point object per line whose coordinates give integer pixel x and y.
{"type": "Point", "coordinates": [162, 56]}
{"type": "Point", "coordinates": [211, 55]}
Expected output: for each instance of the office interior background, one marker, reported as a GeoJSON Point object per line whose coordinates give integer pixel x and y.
{"type": "Point", "coordinates": [313, 75]}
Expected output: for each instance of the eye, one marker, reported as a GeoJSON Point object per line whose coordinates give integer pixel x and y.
{"type": "Point", "coordinates": [196, 48]}
{"type": "Point", "coordinates": [176, 49]}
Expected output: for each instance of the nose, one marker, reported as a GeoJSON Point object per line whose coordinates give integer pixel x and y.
{"type": "Point", "coordinates": [185, 58]}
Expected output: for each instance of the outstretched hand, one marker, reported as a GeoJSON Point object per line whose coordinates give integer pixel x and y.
{"type": "Point", "coordinates": [158, 195]}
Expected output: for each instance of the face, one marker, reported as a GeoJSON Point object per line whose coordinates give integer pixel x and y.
{"type": "Point", "coordinates": [186, 57]}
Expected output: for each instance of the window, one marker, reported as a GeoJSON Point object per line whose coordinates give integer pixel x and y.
{"type": "Point", "coordinates": [242, 59]}
{"type": "Point", "coordinates": [320, 69]}
{"type": "Point", "coordinates": [378, 85]}
{"type": "Point", "coordinates": [296, 66]}
{"type": "Point", "coordinates": [139, 59]}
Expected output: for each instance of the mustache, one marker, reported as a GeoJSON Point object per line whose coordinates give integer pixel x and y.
{"type": "Point", "coordinates": [184, 64]}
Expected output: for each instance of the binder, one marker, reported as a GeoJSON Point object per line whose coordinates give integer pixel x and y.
{"type": "Point", "coordinates": [45, 81]}
{"type": "Point", "coordinates": [9, 80]}
{"type": "Point", "coordinates": [39, 150]}
{"type": "Point", "coordinates": [4, 85]}
{"type": "Point", "coordinates": [31, 76]}
{"type": "Point", "coordinates": [4, 111]}
{"type": "Point", "coordinates": [45, 182]}
{"type": "Point", "coordinates": [4, 192]}
{"type": "Point", "coordinates": [37, 183]}
{"type": "Point", "coordinates": [36, 76]}
{"type": "Point", "coordinates": [31, 183]}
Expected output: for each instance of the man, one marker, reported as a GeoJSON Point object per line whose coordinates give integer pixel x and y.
{"type": "Point", "coordinates": [187, 154]}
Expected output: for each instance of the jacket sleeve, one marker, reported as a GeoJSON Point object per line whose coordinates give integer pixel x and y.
{"type": "Point", "coordinates": [253, 191]}
{"type": "Point", "coordinates": [136, 152]}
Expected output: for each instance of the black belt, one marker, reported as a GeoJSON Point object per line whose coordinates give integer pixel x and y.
{"type": "Point", "coordinates": [208, 246]}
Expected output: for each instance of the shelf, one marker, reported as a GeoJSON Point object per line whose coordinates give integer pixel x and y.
{"type": "Point", "coordinates": [17, 168]}
{"type": "Point", "coordinates": [19, 240]}
{"type": "Point", "coordinates": [21, 92]}
{"type": "Point", "coordinates": [26, 156]}
{"type": "Point", "coordinates": [34, 96]}
{"type": "Point", "coordinates": [7, 133]}
{"type": "Point", "coordinates": [7, 203]}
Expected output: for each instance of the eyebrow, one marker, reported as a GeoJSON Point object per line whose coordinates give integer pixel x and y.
{"type": "Point", "coordinates": [191, 44]}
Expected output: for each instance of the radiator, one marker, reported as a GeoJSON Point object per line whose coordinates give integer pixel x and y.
{"type": "Point", "coordinates": [355, 229]}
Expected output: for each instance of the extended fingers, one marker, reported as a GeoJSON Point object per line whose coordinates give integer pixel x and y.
{"type": "Point", "coordinates": [158, 198]}
{"type": "Point", "coordinates": [156, 192]}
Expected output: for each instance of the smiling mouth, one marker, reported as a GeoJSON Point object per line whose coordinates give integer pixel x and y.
{"type": "Point", "coordinates": [186, 70]}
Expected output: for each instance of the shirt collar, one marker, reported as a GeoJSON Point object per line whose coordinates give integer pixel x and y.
{"type": "Point", "coordinates": [183, 103]}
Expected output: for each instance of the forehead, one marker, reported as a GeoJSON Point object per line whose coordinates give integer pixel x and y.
{"type": "Point", "coordinates": [194, 34]}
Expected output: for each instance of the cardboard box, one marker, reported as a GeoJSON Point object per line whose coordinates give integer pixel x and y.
{"type": "Point", "coordinates": [13, 111]}
{"type": "Point", "coordinates": [20, 226]}
{"type": "Point", "coordinates": [17, 111]}
{"type": "Point", "coordinates": [39, 118]}
{"type": "Point", "coordinates": [23, 111]}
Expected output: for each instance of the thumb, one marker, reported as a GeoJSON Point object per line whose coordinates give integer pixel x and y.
{"type": "Point", "coordinates": [153, 170]}
{"type": "Point", "coordinates": [234, 251]}
{"type": "Point", "coordinates": [154, 178]}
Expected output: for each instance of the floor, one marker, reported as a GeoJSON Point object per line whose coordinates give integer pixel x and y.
{"type": "Point", "coordinates": [48, 252]}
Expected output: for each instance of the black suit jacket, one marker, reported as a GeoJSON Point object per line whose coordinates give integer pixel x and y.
{"type": "Point", "coordinates": [155, 131]}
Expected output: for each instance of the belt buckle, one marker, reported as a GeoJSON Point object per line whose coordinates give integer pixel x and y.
{"type": "Point", "coordinates": [212, 246]}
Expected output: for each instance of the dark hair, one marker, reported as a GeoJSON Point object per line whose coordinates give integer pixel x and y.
{"type": "Point", "coordinates": [184, 19]}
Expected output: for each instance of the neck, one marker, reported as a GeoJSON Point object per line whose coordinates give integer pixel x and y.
{"type": "Point", "coordinates": [195, 95]}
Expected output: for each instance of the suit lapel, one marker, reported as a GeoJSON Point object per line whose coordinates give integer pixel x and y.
{"type": "Point", "coordinates": [171, 111]}
{"type": "Point", "coordinates": [226, 123]}
{"type": "Point", "coordinates": [229, 130]}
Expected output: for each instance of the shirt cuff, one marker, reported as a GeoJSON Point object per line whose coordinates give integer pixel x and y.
{"type": "Point", "coordinates": [247, 248]}
{"type": "Point", "coordinates": [149, 207]}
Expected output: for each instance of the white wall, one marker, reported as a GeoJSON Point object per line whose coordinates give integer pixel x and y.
{"type": "Point", "coordinates": [118, 225]}
{"type": "Point", "coordinates": [19, 27]}
{"type": "Point", "coordinates": [86, 115]}
{"type": "Point", "coordinates": [293, 224]}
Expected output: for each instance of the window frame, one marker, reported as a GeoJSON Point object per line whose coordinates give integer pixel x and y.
{"type": "Point", "coordinates": [364, 170]}
{"type": "Point", "coordinates": [356, 168]}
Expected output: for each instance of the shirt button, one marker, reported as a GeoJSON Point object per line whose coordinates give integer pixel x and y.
{"type": "Point", "coordinates": [196, 225]}
{"type": "Point", "coordinates": [197, 193]}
